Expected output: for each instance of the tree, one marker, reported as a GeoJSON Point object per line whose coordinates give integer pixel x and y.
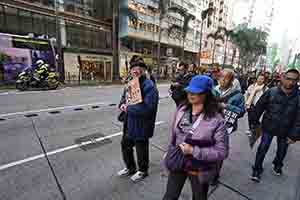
{"type": "Point", "coordinates": [229, 34]}
{"type": "Point", "coordinates": [215, 36]}
{"type": "Point", "coordinates": [252, 43]}
{"type": "Point", "coordinates": [187, 17]}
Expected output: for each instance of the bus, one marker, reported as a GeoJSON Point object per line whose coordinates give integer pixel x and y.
{"type": "Point", "coordinates": [19, 52]}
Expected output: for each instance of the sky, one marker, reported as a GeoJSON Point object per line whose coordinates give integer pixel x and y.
{"type": "Point", "coordinates": [286, 17]}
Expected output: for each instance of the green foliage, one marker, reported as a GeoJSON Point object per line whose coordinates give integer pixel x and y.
{"type": "Point", "coordinates": [251, 42]}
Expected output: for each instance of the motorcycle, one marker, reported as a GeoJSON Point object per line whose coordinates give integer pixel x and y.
{"type": "Point", "coordinates": [28, 79]}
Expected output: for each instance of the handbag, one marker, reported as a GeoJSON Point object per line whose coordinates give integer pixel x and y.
{"type": "Point", "coordinates": [175, 160]}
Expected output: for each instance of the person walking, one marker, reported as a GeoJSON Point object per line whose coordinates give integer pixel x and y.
{"type": "Point", "coordinates": [181, 80]}
{"type": "Point", "coordinates": [231, 98]}
{"type": "Point", "coordinates": [233, 102]}
{"type": "Point", "coordinates": [278, 106]}
{"type": "Point", "coordinates": [198, 130]}
{"type": "Point", "coordinates": [253, 94]}
{"type": "Point", "coordinates": [139, 123]}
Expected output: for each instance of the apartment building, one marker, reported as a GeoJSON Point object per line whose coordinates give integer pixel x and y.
{"type": "Point", "coordinates": [142, 37]}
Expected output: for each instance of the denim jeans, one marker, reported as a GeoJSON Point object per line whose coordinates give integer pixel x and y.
{"type": "Point", "coordinates": [266, 140]}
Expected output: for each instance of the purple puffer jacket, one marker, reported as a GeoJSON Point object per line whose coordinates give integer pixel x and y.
{"type": "Point", "coordinates": [211, 131]}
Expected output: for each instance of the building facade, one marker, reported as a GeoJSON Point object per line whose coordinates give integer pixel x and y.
{"type": "Point", "coordinates": [82, 31]}
{"type": "Point", "coordinates": [141, 36]}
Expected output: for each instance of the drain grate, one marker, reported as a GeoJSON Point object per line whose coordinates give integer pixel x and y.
{"type": "Point", "coordinates": [55, 112]}
{"type": "Point", "coordinates": [78, 109]}
{"type": "Point", "coordinates": [95, 107]}
{"type": "Point", "coordinates": [92, 138]}
{"type": "Point", "coordinates": [1, 119]}
{"type": "Point", "coordinates": [112, 104]}
{"type": "Point", "coordinates": [31, 115]}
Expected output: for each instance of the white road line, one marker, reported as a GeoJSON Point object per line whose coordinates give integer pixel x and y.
{"type": "Point", "coordinates": [50, 109]}
{"type": "Point", "coordinates": [4, 115]}
{"type": "Point", "coordinates": [67, 148]}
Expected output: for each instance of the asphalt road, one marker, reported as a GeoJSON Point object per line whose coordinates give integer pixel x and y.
{"type": "Point", "coordinates": [83, 150]}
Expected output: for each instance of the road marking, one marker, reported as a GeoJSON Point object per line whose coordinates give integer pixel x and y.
{"type": "Point", "coordinates": [4, 93]}
{"type": "Point", "coordinates": [67, 148]}
{"type": "Point", "coordinates": [77, 107]}
{"type": "Point", "coordinates": [16, 92]}
{"type": "Point", "coordinates": [51, 109]}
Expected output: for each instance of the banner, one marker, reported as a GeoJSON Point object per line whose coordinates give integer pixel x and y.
{"type": "Point", "coordinates": [134, 92]}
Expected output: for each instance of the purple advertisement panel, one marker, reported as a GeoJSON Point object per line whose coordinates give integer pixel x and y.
{"type": "Point", "coordinates": [18, 53]}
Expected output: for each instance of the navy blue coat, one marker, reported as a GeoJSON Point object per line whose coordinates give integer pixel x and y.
{"type": "Point", "coordinates": [141, 117]}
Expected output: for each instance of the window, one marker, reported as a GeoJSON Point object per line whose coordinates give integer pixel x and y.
{"type": "Point", "coordinates": [2, 19]}
{"type": "Point", "coordinates": [108, 40]}
{"type": "Point", "coordinates": [50, 26]}
{"type": "Point", "coordinates": [73, 35]}
{"type": "Point", "coordinates": [25, 21]}
{"type": "Point", "coordinates": [38, 24]}
{"type": "Point", "coordinates": [12, 19]}
{"type": "Point", "coordinates": [101, 38]}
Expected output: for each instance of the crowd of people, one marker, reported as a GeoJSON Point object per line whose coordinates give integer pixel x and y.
{"type": "Point", "coordinates": [208, 109]}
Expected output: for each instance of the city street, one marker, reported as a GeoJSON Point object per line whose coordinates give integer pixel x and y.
{"type": "Point", "coordinates": [79, 131]}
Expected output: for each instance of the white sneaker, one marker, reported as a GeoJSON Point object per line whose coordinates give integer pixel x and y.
{"type": "Point", "coordinates": [248, 133]}
{"type": "Point", "coordinates": [138, 176]}
{"type": "Point", "coordinates": [125, 172]}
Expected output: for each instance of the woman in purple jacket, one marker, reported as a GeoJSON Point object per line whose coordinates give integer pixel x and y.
{"type": "Point", "coordinates": [198, 129]}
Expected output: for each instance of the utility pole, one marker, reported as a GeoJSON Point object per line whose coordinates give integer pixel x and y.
{"type": "Point", "coordinates": [59, 63]}
{"type": "Point", "coordinates": [115, 40]}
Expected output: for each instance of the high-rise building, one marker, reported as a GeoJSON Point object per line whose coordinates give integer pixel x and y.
{"type": "Point", "coordinates": [81, 29]}
{"type": "Point", "coordinates": [141, 36]}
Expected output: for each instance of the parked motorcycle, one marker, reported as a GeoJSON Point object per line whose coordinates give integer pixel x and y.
{"type": "Point", "coordinates": [29, 79]}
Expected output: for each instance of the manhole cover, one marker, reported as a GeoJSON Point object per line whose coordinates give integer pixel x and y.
{"type": "Point", "coordinates": [54, 112]}
{"type": "Point", "coordinates": [1, 119]}
{"type": "Point", "coordinates": [92, 138]}
{"type": "Point", "coordinates": [31, 115]}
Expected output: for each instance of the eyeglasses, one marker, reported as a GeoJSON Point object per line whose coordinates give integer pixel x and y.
{"type": "Point", "coordinates": [291, 79]}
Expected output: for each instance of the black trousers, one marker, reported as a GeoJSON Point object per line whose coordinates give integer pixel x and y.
{"type": "Point", "coordinates": [142, 152]}
{"type": "Point", "coordinates": [176, 182]}
{"type": "Point", "coordinates": [251, 116]}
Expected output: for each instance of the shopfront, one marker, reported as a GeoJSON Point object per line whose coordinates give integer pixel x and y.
{"type": "Point", "coordinates": [88, 67]}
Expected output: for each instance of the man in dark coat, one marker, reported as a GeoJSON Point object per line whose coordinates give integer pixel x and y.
{"type": "Point", "coordinates": [139, 123]}
{"type": "Point", "coordinates": [278, 106]}
{"type": "Point", "coordinates": [180, 81]}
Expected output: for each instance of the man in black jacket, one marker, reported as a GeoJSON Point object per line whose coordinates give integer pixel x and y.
{"type": "Point", "coordinates": [180, 81]}
{"type": "Point", "coordinates": [279, 106]}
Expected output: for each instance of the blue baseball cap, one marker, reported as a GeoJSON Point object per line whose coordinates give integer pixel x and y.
{"type": "Point", "coordinates": [200, 84]}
